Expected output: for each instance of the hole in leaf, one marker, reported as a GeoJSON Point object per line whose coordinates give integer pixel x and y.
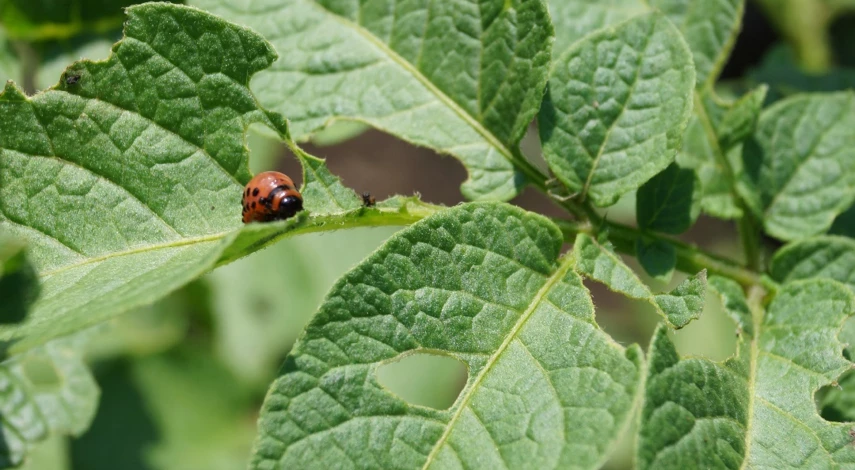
{"type": "Point", "coordinates": [41, 373]}
{"type": "Point", "coordinates": [424, 378]}
{"type": "Point", "coordinates": [836, 402]}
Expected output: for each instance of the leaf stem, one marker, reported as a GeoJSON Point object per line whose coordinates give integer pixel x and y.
{"type": "Point", "coordinates": [690, 258]}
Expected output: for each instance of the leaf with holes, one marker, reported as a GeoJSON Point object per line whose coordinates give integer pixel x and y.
{"type": "Point", "coordinates": [799, 172]}
{"type": "Point", "coordinates": [616, 107]}
{"type": "Point", "coordinates": [464, 78]}
{"type": "Point", "coordinates": [600, 263]}
{"type": "Point", "coordinates": [481, 283]}
{"type": "Point", "coordinates": [48, 390]}
{"type": "Point", "coordinates": [126, 181]}
{"type": "Point", "coordinates": [757, 409]}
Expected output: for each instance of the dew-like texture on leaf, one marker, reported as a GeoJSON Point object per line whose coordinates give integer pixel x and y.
{"type": "Point", "coordinates": [602, 264]}
{"type": "Point", "coordinates": [463, 77]}
{"type": "Point", "coordinates": [616, 107]}
{"type": "Point", "coordinates": [574, 19]}
{"type": "Point", "coordinates": [800, 164]}
{"type": "Point", "coordinates": [48, 390]}
{"type": "Point", "coordinates": [667, 202]}
{"type": "Point", "coordinates": [757, 409]}
{"type": "Point", "coordinates": [126, 181]}
{"type": "Point", "coordinates": [827, 257]}
{"type": "Point", "coordinates": [479, 282]}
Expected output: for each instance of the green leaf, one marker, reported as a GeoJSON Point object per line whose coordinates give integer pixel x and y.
{"type": "Point", "coordinates": [799, 165]}
{"type": "Point", "coordinates": [657, 257]}
{"type": "Point", "coordinates": [602, 264]}
{"type": "Point", "coordinates": [827, 257]}
{"type": "Point", "coordinates": [56, 55]}
{"type": "Point", "coordinates": [480, 283]}
{"type": "Point", "coordinates": [463, 78]}
{"type": "Point", "coordinates": [616, 107]}
{"type": "Point", "coordinates": [710, 28]}
{"type": "Point", "coordinates": [574, 19]}
{"type": "Point", "coordinates": [126, 184]}
{"type": "Point", "coordinates": [46, 391]}
{"type": "Point", "coordinates": [19, 284]}
{"type": "Point", "coordinates": [323, 192]}
{"type": "Point", "coordinates": [755, 410]}
{"type": "Point", "coordinates": [667, 202]}
{"type": "Point", "coordinates": [712, 146]}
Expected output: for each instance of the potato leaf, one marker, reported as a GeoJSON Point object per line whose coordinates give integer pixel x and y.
{"type": "Point", "coordinates": [481, 283]}
{"type": "Point", "coordinates": [757, 409]}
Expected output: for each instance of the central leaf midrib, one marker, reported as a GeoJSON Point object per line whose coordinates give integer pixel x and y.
{"type": "Point", "coordinates": [430, 86]}
{"type": "Point", "coordinates": [540, 296]}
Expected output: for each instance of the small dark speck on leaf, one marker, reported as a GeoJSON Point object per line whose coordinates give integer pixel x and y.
{"type": "Point", "coordinates": [212, 207]}
{"type": "Point", "coordinates": [72, 79]}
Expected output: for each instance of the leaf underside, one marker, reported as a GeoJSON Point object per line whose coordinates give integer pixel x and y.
{"type": "Point", "coordinates": [464, 78]}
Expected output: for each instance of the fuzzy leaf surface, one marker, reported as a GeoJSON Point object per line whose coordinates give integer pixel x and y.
{"type": "Point", "coordinates": [827, 257]}
{"type": "Point", "coordinates": [616, 107]}
{"type": "Point", "coordinates": [481, 283]}
{"type": "Point", "coordinates": [126, 183]}
{"type": "Point", "coordinates": [600, 263]}
{"type": "Point", "coordinates": [464, 78]}
{"type": "Point", "coordinates": [757, 409]}
{"type": "Point", "coordinates": [800, 164]}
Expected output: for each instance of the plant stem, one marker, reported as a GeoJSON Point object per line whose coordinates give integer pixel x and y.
{"type": "Point", "coordinates": [690, 258]}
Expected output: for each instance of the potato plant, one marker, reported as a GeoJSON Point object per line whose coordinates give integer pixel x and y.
{"type": "Point", "coordinates": [121, 178]}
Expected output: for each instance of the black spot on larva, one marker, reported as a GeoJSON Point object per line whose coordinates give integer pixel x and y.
{"type": "Point", "coordinates": [255, 192]}
{"type": "Point", "coordinates": [253, 204]}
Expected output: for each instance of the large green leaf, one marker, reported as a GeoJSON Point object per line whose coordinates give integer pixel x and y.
{"type": "Point", "coordinates": [616, 107]}
{"type": "Point", "coordinates": [800, 164]}
{"type": "Point", "coordinates": [464, 78]}
{"type": "Point", "coordinates": [480, 283]}
{"type": "Point", "coordinates": [126, 183]}
{"type": "Point", "coordinates": [48, 390]}
{"type": "Point", "coordinates": [755, 410]}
